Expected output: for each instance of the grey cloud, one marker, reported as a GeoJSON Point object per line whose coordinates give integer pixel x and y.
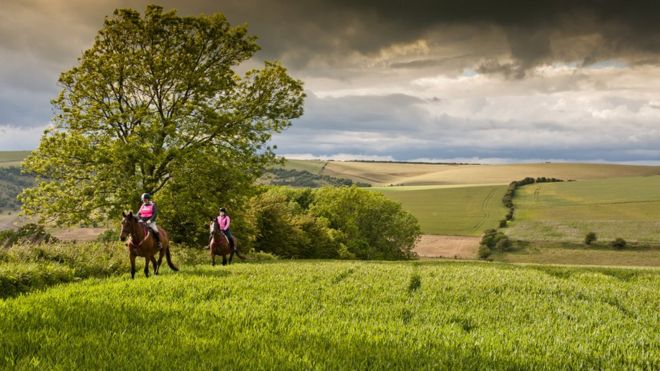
{"type": "Point", "coordinates": [420, 134]}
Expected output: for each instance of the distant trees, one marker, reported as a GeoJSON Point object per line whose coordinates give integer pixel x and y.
{"type": "Point", "coordinates": [303, 178]}
{"type": "Point", "coordinates": [507, 199]}
{"type": "Point", "coordinates": [12, 182]}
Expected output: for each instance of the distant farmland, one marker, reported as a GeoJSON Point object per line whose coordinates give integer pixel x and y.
{"type": "Point", "coordinates": [12, 158]}
{"type": "Point", "coordinates": [385, 174]}
{"type": "Point", "coordinates": [459, 211]}
{"type": "Point", "coordinates": [623, 207]}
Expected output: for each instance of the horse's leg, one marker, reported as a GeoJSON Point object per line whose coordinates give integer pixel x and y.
{"type": "Point", "coordinates": [161, 254]}
{"type": "Point", "coordinates": [154, 263]}
{"type": "Point", "coordinates": [132, 258]}
{"type": "Point", "coordinates": [231, 256]}
{"type": "Point", "coordinates": [212, 256]}
{"type": "Point", "coordinates": [224, 259]}
{"type": "Point", "coordinates": [146, 267]}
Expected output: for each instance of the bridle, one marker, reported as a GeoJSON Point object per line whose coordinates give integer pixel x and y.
{"type": "Point", "coordinates": [133, 233]}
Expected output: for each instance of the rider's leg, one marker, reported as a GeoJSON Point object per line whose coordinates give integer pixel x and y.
{"type": "Point", "coordinates": [156, 233]}
{"type": "Point", "coordinates": [230, 239]}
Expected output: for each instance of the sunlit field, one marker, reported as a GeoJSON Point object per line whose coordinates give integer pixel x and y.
{"type": "Point", "coordinates": [385, 174]}
{"type": "Point", "coordinates": [623, 207]}
{"type": "Point", "coordinates": [341, 315]}
{"type": "Point", "coordinates": [461, 211]}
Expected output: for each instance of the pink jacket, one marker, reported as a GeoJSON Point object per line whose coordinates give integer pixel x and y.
{"type": "Point", "coordinates": [223, 222]}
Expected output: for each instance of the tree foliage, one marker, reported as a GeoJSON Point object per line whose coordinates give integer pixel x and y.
{"type": "Point", "coordinates": [155, 105]}
{"type": "Point", "coordinates": [342, 222]}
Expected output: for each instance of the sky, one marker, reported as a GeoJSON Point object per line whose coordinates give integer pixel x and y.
{"type": "Point", "coordinates": [449, 81]}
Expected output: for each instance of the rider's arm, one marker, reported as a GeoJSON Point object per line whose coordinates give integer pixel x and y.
{"type": "Point", "coordinates": [153, 216]}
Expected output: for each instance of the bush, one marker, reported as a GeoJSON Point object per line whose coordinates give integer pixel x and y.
{"type": "Point", "coordinates": [369, 224]}
{"type": "Point", "coordinates": [493, 240]}
{"type": "Point", "coordinates": [29, 234]}
{"type": "Point", "coordinates": [503, 223]}
{"type": "Point", "coordinates": [504, 244]}
{"type": "Point", "coordinates": [332, 223]}
{"type": "Point", "coordinates": [619, 244]}
{"type": "Point", "coordinates": [111, 235]}
{"type": "Point", "coordinates": [590, 238]}
{"type": "Point", "coordinates": [484, 252]}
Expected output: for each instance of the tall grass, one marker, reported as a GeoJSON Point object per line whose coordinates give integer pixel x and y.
{"type": "Point", "coordinates": [342, 315]}
{"type": "Point", "coordinates": [27, 267]}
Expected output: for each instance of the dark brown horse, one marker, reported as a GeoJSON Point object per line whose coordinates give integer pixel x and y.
{"type": "Point", "coordinates": [219, 244]}
{"type": "Point", "coordinates": [142, 243]}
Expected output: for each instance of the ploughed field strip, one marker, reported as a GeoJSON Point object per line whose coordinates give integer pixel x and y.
{"type": "Point", "coordinates": [340, 315]}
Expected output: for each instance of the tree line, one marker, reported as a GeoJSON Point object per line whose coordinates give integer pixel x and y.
{"type": "Point", "coordinates": [303, 178]}
{"type": "Point", "coordinates": [12, 182]}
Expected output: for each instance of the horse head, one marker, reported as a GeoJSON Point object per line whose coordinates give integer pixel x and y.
{"type": "Point", "coordinates": [128, 225]}
{"type": "Point", "coordinates": [213, 226]}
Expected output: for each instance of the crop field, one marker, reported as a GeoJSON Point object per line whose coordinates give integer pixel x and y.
{"type": "Point", "coordinates": [623, 207]}
{"type": "Point", "coordinates": [555, 253]}
{"type": "Point", "coordinates": [458, 211]}
{"type": "Point", "coordinates": [341, 315]}
{"type": "Point", "coordinates": [12, 158]}
{"type": "Point", "coordinates": [385, 174]}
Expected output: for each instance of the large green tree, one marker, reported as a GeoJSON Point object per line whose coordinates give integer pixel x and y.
{"type": "Point", "coordinates": [156, 105]}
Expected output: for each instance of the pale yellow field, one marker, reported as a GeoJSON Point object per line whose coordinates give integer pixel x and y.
{"type": "Point", "coordinates": [384, 174]}
{"type": "Point", "coordinates": [12, 158]}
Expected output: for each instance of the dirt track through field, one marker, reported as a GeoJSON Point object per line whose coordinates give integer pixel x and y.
{"type": "Point", "coordinates": [434, 246]}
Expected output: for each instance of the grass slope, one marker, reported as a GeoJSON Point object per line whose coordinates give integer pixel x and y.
{"type": "Point", "coordinates": [12, 158]}
{"type": "Point", "coordinates": [459, 211]}
{"type": "Point", "coordinates": [384, 174]}
{"type": "Point", "coordinates": [313, 166]}
{"type": "Point", "coordinates": [622, 207]}
{"type": "Point", "coordinates": [341, 315]}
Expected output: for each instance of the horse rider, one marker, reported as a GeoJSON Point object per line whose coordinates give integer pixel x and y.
{"type": "Point", "coordinates": [224, 221]}
{"type": "Point", "coordinates": [148, 213]}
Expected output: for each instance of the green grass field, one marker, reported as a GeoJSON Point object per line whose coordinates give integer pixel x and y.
{"type": "Point", "coordinates": [341, 315]}
{"type": "Point", "coordinates": [622, 207]}
{"type": "Point", "coordinates": [572, 254]}
{"type": "Point", "coordinates": [459, 211]}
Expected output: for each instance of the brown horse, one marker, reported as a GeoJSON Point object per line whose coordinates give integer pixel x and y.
{"type": "Point", "coordinates": [219, 244]}
{"type": "Point", "coordinates": [142, 243]}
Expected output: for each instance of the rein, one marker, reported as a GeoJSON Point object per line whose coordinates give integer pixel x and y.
{"type": "Point", "coordinates": [131, 243]}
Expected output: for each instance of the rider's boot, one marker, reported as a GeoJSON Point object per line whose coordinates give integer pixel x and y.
{"type": "Point", "coordinates": [157, 237]}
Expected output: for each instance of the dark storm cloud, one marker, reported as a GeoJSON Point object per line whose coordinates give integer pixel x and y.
{"type": "Point", "coordinates": [516, 79]}
{"type": "Point", "coordinates": [535, 32]}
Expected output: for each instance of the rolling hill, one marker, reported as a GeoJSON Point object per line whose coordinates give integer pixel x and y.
{"type": "Point", "coordinates": [385, 174]}
{"type": "Point", "coordinates": [451, 210]}
{"type": "Point", "coordinates": [620, 207]}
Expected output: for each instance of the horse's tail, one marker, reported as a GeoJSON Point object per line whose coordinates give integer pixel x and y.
{"type": "Point", "coordinates": [237, 252]}
{"type": "Point", "coordinates": [169, 260]}
{"type": "Point", "coordinates": [240, 255]}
